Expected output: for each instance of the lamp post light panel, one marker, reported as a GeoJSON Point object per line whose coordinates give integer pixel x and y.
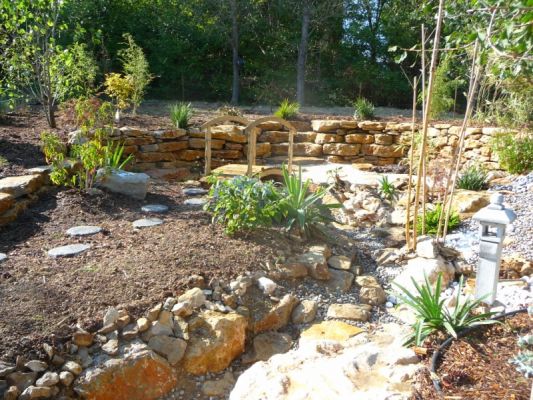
{"type": "Point", "coordinates": [493, 220]}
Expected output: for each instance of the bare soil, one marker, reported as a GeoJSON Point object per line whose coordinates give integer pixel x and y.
{"type": "Point", "coordinates": [477, 366]}
{"type": "Point", "coordinates": [42, 299]}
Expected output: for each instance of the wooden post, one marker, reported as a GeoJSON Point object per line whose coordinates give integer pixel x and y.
{"type": "Point", "coordinates": [291, 147]}
{"type": "Point", "coordinates": [208, 151]}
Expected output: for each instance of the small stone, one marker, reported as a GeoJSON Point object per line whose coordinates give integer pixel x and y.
{"type": "Point", "coordinates": [389, 304]}
{"type": "Point", "coordinates": [69, 250]}
{"type": "Point", "coordinates": [360, 312]}
{"type": "Point", "coordinates": [110, 317]}
{"type": "Point", "coordinates": [340, 281]}
{"type": "Point", "coordinates": [66, 378]}
{"type": "Point", "coordinates": [49, 350]}
{"type": "Point", "coordinates": [36, 366]}
{"type": "Point", "coordinates": [84, 230]}
{"type": "Point", "coordinates": [82, 339]}
{"type": "Point", "coordinates": [269, 343]}
{"type": "Point", "coordinates": [130, 331]}
{"type": "Point", "coordinates": [111, 347]}
{"type": "Point", "coordinates": [6, 369]}
{"type": "Point", "coordinates": [366, 281]}
{"type": "Point", "coordinates": [195, 202]}
{"type": "Point", "coordinates": [194, 296]}
{"type": "Point", "coordinates": [3, 257]}
{"type": "Point", "coordinates": [48, 379]}
{"type": "Point", "coordinates": [12, 393]}
{"type": "Point", "coordinates": [268, 286]}
{"type": "Point", "coordinates": [154, 208]}
{"type": "Point", "coordinates": [229, 300]}
{"type": "Point", "coordinates": [21, 379]}
{"type": "Point", "coordinates": [340, 262]}
{"type": "Point", "coordinates": [169, 303]}
{"type": "Point", "coordinates": [194, 191]}
{"type": "Point", "coordinates": [426, 248]}
{"type": "Point", "coordinates": [72, 367]}
{"type": "Point", "coordinates": [220, 387]}
{"type": "Point", "coordinates": [34, 392]}
{"type": "Point", "coordinates": [107, 328]}
{"type": "Point", "coordinates": [304, 312]}
{"type": "Point", "coordinates": [146, 222]}
{"type": "Point", "coordinates": [143, 324]}
{"type": "Point", "coordinates": [123, 320]}
{"type": "Point", "coordinates": [373, 295]}
{"type": "Point", "coordinates": [182, 309]}
{"type": "Point", "coordinates": [171, 348]}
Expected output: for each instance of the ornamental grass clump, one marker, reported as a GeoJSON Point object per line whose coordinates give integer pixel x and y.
{"type": "Point", "coordinates": [180, 114]}
{"type": "Point", "coordinates": [287, 109]}
{"type": "Point", "coordinates": [363, 109]}
{"type": "Point", "coordinates": [473, 178]}
{"type": "Point", "coordinates": [432, 221]}
{"type": "Point", "coordinates": [387, 189]}
{"type": "Point", "coordinates": [433, 316]}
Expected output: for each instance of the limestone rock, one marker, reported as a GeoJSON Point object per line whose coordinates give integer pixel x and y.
{"type": "Point", "coordinates": [171, 348]}
{"type": "Point", "coordinates": [36, 365]}
{"type": "Point", "coordinates": [354, 312]}
{"type": "Point", "coordinates": [340, 281]}
{"type": "Point", "coordinates": [276, 317]}
{"type": "Point", "coordinates": [84, 230]}
{"type": "Point", "coordinates": [215, 340]}
{"type": "Point", "coordinates": [48, 379]}
{"type": "Point", "coordinates": [330, 330]}
{"type": "Point", "coordinates": [304, 312]}
{"type": "Point", "coordinates": [34, 392]}
{"type": "Point", "coordinates": [128, 183]}
{"type": "Point", "coordinates": [195, 297]}
{"type": "Point", "coordinates": [72, 367]}
{"type": "Point", "coordinates": [146, 222]}
{"type": "Point", "coordinates": [417, 268]}
{"type": "Point", "coordinates": [66, 378]}
{"type": "Point", "coordinates": [268, 286]}
{"type": "Point", "coordinates": [111, 316]}
{"type": "Point", "coordinates": [426, 248]}
{"type": "Point", "coordinates": [140, 375]}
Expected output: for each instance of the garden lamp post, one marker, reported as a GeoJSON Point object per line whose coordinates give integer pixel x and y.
{"type": "Point", "coordinates": [493, 219]}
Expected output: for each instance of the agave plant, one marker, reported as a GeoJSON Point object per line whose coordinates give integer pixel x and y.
{"type": "Point", "coordinates": [433, 316]}
{"type": "Point", "coordinates": [300, 207]}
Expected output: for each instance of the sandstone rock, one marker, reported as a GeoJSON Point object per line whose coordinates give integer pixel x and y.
{"type": "Point", "coordinates": [362, 138]}
{"type": "Point", "coordinates": [153, 313]}
{"type": "Point", "coordinates": [111, 347]}
{"type": "Point", "coordinates": [469, 201]}
{"type": "Point", "coordinates": [130, 331]}
{"type": "Point", "coordinates": [273, 136]}
{"type": "Point", "coordinates": [316, 263]}
{"type": "Point", "coordinates": [219, 387]}
{"type": "Point", "coordinates": [371, 125]}
{"type": "Point", "coordinates": [341, 149]}
{"type": "Point", "coordinates": [366, 281]}
{"type": "Point", "coordinates": [72, 367]}
{"type": "Point", "coordinates": [82, 338]}
{"type": "Point", "coordinates": [12, 393]}
{"type": "Point", "coordinates": [261, 150]}
{"type": "Point", "coordinates": [289, 270]}
{"type": "Point", "coordinates": [340, 281]}
{"type": "Point", "coordinates": [195, 297]}
{"type": "Point", "coordinates": [36, 366]}
{"type": "Point", "coordinates": [215, 340]}
{"type": "Point", "coordinates": [34, 392]}
{"type": "Point", "coordinates": [18, 186]}
{"type": "Point", "coordinates": [340, 262]}
{"type": "Point", "coordinates": [267, 344]}
{"type": "Point", "coordinates": [516, 266]}
{"type": "Point", "coordinates": [6, 368]}
{"type": "Point", "coordinates": [330, 330]}
{"type": "Point", "coordinates": [275, 318]}
{"type": "Point", "coordinates": [183, 309]}
{"type": "Point", "coordinates": [302, 137]}
{"type": "Point", "coordinates": [304, 312]}
{"type": "Point", "coordinates": [322, 138]}
{"type": "Point", "coordinates": [417, 268]}
{"type": "Point", "coordinates": [383, 139]}
{"type": "Point", "coordinates": [128, 183]}
{"type": "Point", "coordinates": [48, 379]}
{"type": "Point", "coordinates": [373, 295]}
{"type": "Point", "coordinates": [231, 133]}
{"type": "Point", "coordinates": [198, 143]}
{"type": "Point", "coordinates": [66, 378]}
{"type": "Point", "coordinates": [143, 324]}
{"type": "Point", "coordinates": [382, 151]}
{"type": "Point", "coordinates": [325, 125]}
{"type": "Point", "coordinates": [171, 348]}
{"type": "Point", "coordinates": [6, 202]}
{"type": "Point", "coordinates": [21, 380]}
{"type": "Point", "coordinates": [426, 248]}
{"type": "Point", "coordinates": [354, 312]}
{"type": "Point", "coordinates": [229, 300]}
{"type": "Point", "coordinates": [140, 375]}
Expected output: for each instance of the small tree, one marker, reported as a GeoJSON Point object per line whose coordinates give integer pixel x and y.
{"type": "Point", "coordinates": [137, 70]}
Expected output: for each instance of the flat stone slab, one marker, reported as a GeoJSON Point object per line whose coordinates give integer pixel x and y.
{"type": "Point", "coordinates": [3, 257]}
{"type": "Point", "coordinates": [20, 185]}
{"type": "Point", "coordinates": [147, 222]}
{"type": "Point", "coordinates": [196, 202]}
{"type": "Point", "coordinates": [155, 208]}
{"type": "Point", "coordinates": [84, 230]}
{"type": "Point", "coordinates": [68, 250]}
{"type": "Point", "coordinates": [194, 191]}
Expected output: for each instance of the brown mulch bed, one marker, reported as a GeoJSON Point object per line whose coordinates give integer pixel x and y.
{"type": "Point", "coordinates": [477, 366]}
{"type": "Point", "coordinates": [42, 298]}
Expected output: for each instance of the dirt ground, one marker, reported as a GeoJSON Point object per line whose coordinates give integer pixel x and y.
{"type": "Point", "coordinates": [42, 297]}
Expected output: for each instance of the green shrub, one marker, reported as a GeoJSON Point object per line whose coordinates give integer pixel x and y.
{"type": "Point", "coordinates": [515, 153]}
{"type": "Point", "coordinates": [364, 109]}
{"type": "Point", "coordinates": [180, 114]}
{"type": "Point", "coordinates": [442, 99]}
{"type": "Point", "coordinates": [473, 178]}
{"type": "Point", "coordinates": [114, 156]}
{"type": "Point", "coordinates": [432, 221]}
{"type": "Point", "coordinates": [387, 189]}
{"type": "Point", "coordinates": [242, 203]}
{"type": "Point", "coordinates": [287, 109]}
{"type": "Point", "coordinates": [301, 208]}
{"type": "Point", "coordinates": [55, 152]}
{"type": "Point", "coordinates": [120, 89]}
{"type": "Point", "coordinates": [433, 316]}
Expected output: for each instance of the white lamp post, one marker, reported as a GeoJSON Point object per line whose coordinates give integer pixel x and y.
{"type": "Point", "coordinates": [493, 219]}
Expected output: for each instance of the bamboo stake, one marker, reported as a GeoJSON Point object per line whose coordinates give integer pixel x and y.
{"type": "Point", "coordinates": [458, 151]}
{"type": "Point", "coordinates": [411, 163]}
{"type": "Point", "coordinates": [425, 122]}
{"type": "Point", "coordinates": [424, 176]}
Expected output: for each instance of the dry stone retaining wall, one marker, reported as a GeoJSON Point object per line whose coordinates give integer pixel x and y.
{"type": "Point", "coordinates": [174, 153]}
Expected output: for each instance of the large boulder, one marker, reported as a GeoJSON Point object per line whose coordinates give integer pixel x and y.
{"type": "Point", "coordinates": [469, 201]}
{"type": "Point", "coordinates": [139, 375]}
{"type": "Point", "coordinates": [215, 340]}
{"type": "Point", "coordinates": [128, 183]}
{"type": "Point", "coordinates": [418, 268]}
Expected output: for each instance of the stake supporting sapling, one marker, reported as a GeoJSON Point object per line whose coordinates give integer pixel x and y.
{"type": "Point", "coordinates": [411, 163]}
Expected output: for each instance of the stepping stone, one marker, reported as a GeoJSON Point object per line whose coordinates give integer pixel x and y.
{"type": "Point", "coordinates": [196, 202]}
{"type": "Point", "coordinates": [194, 191]}
{"type": "Point", "coordinates": [84, 230]}
{"type": "Point", "coordinates": [147, 222]}
{"type": "Point", "coordinates": [155, 208]}
{"type": "Point", "coordinates": [3, 257]}
{"type": "Point", "coordinates": [69, 250]}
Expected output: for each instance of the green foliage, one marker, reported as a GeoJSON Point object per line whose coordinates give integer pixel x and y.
{"type": "Point", "coordinates": [120, 89]}
{"type": "Point", "coordinates": [114, 156]}
{"type": "Point", "coordinates": [137, 70]}
{"type": "Point", "coordinates": [473, 178]}
{"type": "Point", "coordinates": [242, 203]}
{"type": "Point", "coordinates": [387, 189]}
{"type": "Point", "coordinates": [364, 109]}
{"type": "Point", "coordinates": [79, 75]}
{"type": "Point", "coordinates": [287, 109]}
{"type": "Point", "coordinates": [432, 315]}
{"type": "Point", "coordinates": [55, 151]}
{"type": "Point", "coordinates": [180, 114]}
{"type": "Point", "coordinates": [300, 208]}
{"type": "Point", "coordinates": [432, 221]}
{"type": "Point", "coordinates": [515, 152]}
{"type": "Point", "coordinates": [524, 359]}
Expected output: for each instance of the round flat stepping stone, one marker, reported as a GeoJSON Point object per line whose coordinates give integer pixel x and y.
{"type": "Point", "coordinates": [194, 191]}
{"type": "Point", "coordinates": [69, 250]}
{"type": "Point", "coordinates": [3, 257]}
{"type": "Point", "coordinates": [84, 230]}
{"type": "Point", "coordinates": [155, 208]}
{"type": "Point", "coordinates": [147, 222]}
{"type": "Point", "coordinates": [197, 202]}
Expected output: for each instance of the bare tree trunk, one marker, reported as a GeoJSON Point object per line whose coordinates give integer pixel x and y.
{"type": "Point", "coordinates": [235, 49]}
{"type": "Point", "coordinates": [302, 53]}
{"type": "Point", "coordinates": [50, 114]}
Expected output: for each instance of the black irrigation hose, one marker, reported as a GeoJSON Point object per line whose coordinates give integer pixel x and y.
{"type": "Point", "coordinates": [434, 378]}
